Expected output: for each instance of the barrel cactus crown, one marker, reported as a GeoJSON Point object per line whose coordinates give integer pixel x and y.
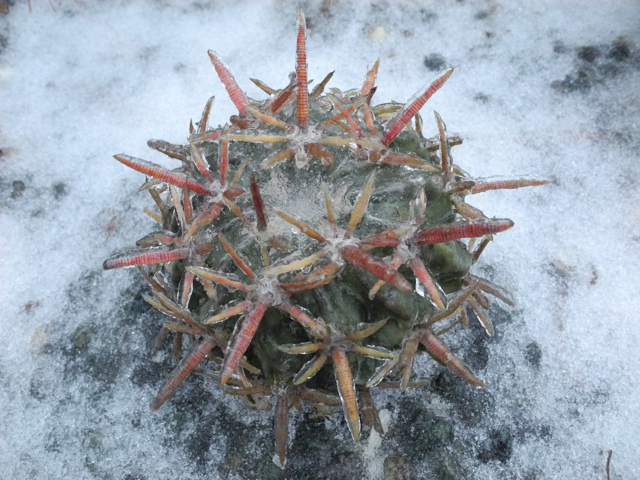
{"type": "Point", "coordinates": [309, 248]}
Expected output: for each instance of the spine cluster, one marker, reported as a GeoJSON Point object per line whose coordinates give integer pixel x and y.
{"type": "Point", "coordinates": [309, 248]}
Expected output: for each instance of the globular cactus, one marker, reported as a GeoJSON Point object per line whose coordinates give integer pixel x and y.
{"type": "Point", "coordinates": [312, 246]}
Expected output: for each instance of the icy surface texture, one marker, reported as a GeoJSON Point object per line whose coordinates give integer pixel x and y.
{"type": "Point", "coordinates": [556, 98]}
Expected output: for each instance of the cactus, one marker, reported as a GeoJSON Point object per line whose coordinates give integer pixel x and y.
{"type": "Point", "coordinates": [309, 248]}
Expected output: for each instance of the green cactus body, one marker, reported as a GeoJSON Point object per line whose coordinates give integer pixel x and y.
{"type": "Point", "coordinates": [312, 246]}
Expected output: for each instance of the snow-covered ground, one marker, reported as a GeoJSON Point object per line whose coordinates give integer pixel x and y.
{"type": "Point", "coordinates": [545, 88]}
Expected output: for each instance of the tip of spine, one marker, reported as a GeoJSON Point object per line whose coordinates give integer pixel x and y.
{"type": "Point", "coordinates": [443, 76]}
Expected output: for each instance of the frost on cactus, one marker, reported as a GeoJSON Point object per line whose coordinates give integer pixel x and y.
{"type": "Point", "coordinates": [311, 247]}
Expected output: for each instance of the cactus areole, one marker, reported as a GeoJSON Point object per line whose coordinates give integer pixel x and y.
{"type": "Point", "coordinates": [311, 246]}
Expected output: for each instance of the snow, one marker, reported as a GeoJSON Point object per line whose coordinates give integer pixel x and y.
{"type": "Point", "coordinates": [82, 81]}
